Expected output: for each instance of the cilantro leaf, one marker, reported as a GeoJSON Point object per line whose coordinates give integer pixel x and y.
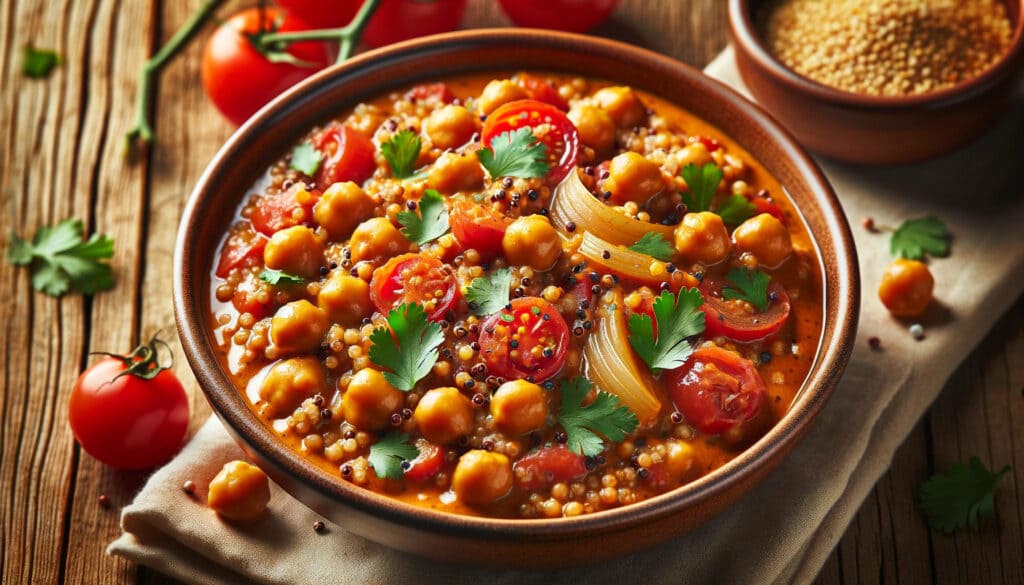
{"type": "Point", "coordinates": [39, 63]}
{"type": "Point", "coordinates": [278, 277]}
{"type": "Point", "coordinates": [751, 286]}
{"type": "Point", "coordinates": [432, 224]}
{"type": "Point", "coordinates": [387, 455]}
{"type": "Point", "coordinates": [515, 153]}
{"type": "Point", "coordinates": [917, 237]}
{"type": "Point", "coordinates": [736, 209]}
{"type": "Point", "coordinates": [402, 151]}
{"type": "Point", "coordinates": [489, 294]}
{"type": "Point", "coordinates": [678, 318]}
{"type": "Point", "coordinates": [408, 346]}
{"type": "Point", "coordinates": [605, 415]}
{"type": "Point", "coordinates": [654, 245]}
{"type": "Point", "coordinates": [957, 499]}
{"type": "Point", "coordinates": [702, 184]}
{"type": "Point", "coordinates": [306, 159]}
{"type": "Point", "coordinates": [61, 261]}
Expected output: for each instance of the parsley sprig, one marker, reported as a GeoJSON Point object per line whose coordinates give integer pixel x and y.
{"type": "Point", "coordinates": [279, 277]}
{"type": "Point", "coordinates": [402, 151]}
{"type": "Point", "coordinates": [39, 63]}
{"type": "Point", "coordinates": [748, 285]}
{"type": "Point", "coordinates": [61, 261]}
{"type": "Point", "coordinates": [654, 245]}
{"type": "Point", "coordinates": [917, 237]}
{"type": "Point", "coordinates": [432, 223]}
{"type": "Point", "coordinates": [584, 425]}
{"type": "Point", "coordinates": [407, 346]}
{"type": "Point", "coordinates": [702, 184]}
{"type": "Point", "coordinates": [678, 319]}
{"type": "Point", "coordinates": [387, 455]}
{"type": "Point", "coordinates": [489, 294]}
{"type": "Point", "coordinates": [515, 153]}
{"type": "Point", "coordinates": [956, 499]}
{"type": "Point", "coordinates": [736, 209]}
{"type": "Point", "coordinates": [306, 159]}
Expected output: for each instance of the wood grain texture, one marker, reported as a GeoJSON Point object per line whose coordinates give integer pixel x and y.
{"type": "Point", "coordinates": [60, 157]}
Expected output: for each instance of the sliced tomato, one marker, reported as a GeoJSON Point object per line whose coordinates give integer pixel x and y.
{"type": "Point", "coordinates": [542, 90]}
{"type": "Point", "coordinates": [292, 207]}
{"type": "Point", "coordinates": [528, 341]}
{"type": "Point", "coordinates": [710, 143]}
{"type": "Point", "coordinates": [732, 319]}
{"type": "Point", "coordinates": [548, 466]}
{"type": "Point", "coordinates": [246, 298]}
{"type": "Point", "coordinates": [427, 464]}
{"type": "Point", "coordinates": [765, 205]}
{"type": "Point", "coordinates": [719, 392]}
{"type": "Point", "coordinates": [412, 278]}
{"type": "Point", "coordinates": [431, 92]}
{"type": "Point", "coordinates": [478, 226]}
{"type": "Point", "coordinates": [551, 127]}
{"type": "Point", "coordinates": [347, 156]}
{"type": "Point", "coordinates": [242, 243]}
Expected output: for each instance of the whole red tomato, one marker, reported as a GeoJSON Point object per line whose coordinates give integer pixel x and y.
{"type": "Point", "coordinates": [394, 21]}
{"type": "Point", "coordinates": [128, 411]}
{"type": "Point", "coordinates": [238, 78]}
{"type": "Point", "coordinates": [568, 15]}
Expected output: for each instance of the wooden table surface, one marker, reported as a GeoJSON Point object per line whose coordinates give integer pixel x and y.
{"type": "Point", "coordinates": [61, 157]}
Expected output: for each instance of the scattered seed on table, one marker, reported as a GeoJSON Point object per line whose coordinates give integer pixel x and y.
{"type": "Point", "coordinates": [869, 224]}
{"type": "Point", "coordinates": [875, 343]}
{"type": "Point", "coordinates": [104, 501]}
{"type": "Point", "coordinates": [917, 331]}
{"type": "Point", "coordinates": [319, 527]}
{"type": "Point", "coordinates": [189, 487]}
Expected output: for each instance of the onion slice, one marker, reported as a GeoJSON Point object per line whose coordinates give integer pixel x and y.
{"type": "Point", "coordinates": [612, 366]}
{"type": "Point", "coordinates": [632, 265]}
{"type": "Point", "coordinates": [573, 204]}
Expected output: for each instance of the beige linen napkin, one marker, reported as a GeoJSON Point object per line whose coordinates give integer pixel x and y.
{"type": "Point", "coordinates": [784, 529]}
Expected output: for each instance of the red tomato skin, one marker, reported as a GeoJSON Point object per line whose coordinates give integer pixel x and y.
{"type": "Point", "coordinates": [400, 20]}
{"type": "Point", "coordinates": [719, 321]}
{"type": "Point", "coordinates": [701, 398]}
{"type": "Point", "coordinates": [567, 15]}
{"type": "Point", "coordinates": [477, 227]}
{"type": "Point", "coordinates": [542, 90]}
{"type": "Point", "coordinates": [386, 284]}
{"type": "Point", "coordinates": [495, 349]}
{"type": "Point", "coordinates": [128, 423]}
{"type": "Point", "coordinates": [238, 79]}
{"type": "Point", "coordinates": [273, 213]}
{"type": "Point", "coordinates": [347, 156]}
{"type": "Point", "coordinates": [767, 206]}
{"type": "Point", "coordinates": [548, 466]}
{"type": "Point", "coordinates": [427, 464]}
{"type": "Point", "coordinates": [431, 92]}
{"type": "Point", "coordinates": [512, 116]}
{"type": "Point", "coordinates": [237, 249]}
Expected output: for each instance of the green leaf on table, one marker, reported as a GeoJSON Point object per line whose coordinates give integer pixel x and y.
{"type": "Point", "coordinates": [956, 499]}
{"type": "Point", "coordinates": [917, 237]}
{"type": "Point", "coordinates": [586, 425]}
{"type": "Point", "coordinates": [39, 63]}
{"type": "Point", "coordinates": [60, 261]}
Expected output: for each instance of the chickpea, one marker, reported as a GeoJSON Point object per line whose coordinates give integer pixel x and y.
{"type": "Point", "coordinates": [519, 407]}
{"type": "Point", "coordinates": [764, 237]}
{"type": "Point", "coordinates": [499, 92]}
{"type": "Point", "coordinates": [289, 382]}
{"type": "Point", "coordinates": [702, 237]}
{"type": "Point", "coordinates": [341, 208]}
{"type": "Point", "coordinates": [531, 240]}
{"type": "Point", "coordinates": [695, 154]}
{"type": "Point", "coordinates": [375, 239]}
{"type": "Point", "coordinates": [450, 126]}
{"type": "Point", "coordinates": [240, 492]}
{"type": "Point", "coordinates": [680, 461]}
{"type": "Point", "coordinates": [369, 400]}
{"type": "Point", "coordinates": [596, 127]}
{"type": "Point", "coordinates": [482, 477]}
{"type": "Point", "coordinates": [622, 104]}
{"type": "Point", "coordinates": [298, 327]}
{"type": "Point", "coordinates": [346, 298]}
{"type": "Point", "coordinates": [455, 171]}
{"type": "Point", "coordinates": [443, 415]}
{"type": "Point", "coordinates": [295, 250]}
{"type": "Point", "coordinates": [631, 177]}
{"type": "Point", "coordinates": [906, 288]}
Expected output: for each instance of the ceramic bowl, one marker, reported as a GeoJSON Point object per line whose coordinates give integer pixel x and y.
{"type": "Point", "coordinates": [503, 542]}
{"type": "Point", "coordinates": [874, 129]}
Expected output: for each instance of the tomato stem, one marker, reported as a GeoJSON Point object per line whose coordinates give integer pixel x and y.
{"type": "Point", "coordinates": [144, 361]}
{"type": "Point", "coordinates": [143, 130]}
{"type": "Point", "coordinates": [347, 36]}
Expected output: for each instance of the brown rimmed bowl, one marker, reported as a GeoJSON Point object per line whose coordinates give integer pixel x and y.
{"type": "Point", "coordinates": [504, 542]}
{"type": "Point", "coordinates": [868, 129]}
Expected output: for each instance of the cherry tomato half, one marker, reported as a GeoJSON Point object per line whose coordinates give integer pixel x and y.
{"type": "Point", "coordinates": [567, 15]}
{"type": "Point", "coordinates": [431, 92]}
{"type": "Point", "coordinates": [719, 392]}
{"type": "Point", "coordinates": [239, 79]}
{"type": "Point", "coordinates": [529, 342]}
{"type": "Point", "coordinates": [273, 213]}
{"type": "Point", "coordinates": [541, 90]}
{"type": "Point", "coordinates": [427, 464]}
{"type": "Point", "coordinates": [347, 156]}
{"type": "Point", "coordinates": [548, 466]}
{"type": "Point", "coordinates": [731, 318]}
{"type": "Point", "coordinates": [550, 125]}
{"type": "Point", "coordinates": [241, 244]}
{"type": "Point", "coordinates": [125, 420]}
{"type": "Point", "coordinates": [478, 227]}
{"type": "Point", "coordinates": [412, 278]}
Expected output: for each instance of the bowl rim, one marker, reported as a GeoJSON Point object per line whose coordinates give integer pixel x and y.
{"type": "Point", "coordinates": [747, 38]}
{"type": "Point", "coordinates": [830, 359]}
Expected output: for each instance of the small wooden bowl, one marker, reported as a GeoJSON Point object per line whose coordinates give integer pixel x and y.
{"type": "Point", "coordinates": [487, 541]}
{"type": "Point", "coordinates": [874, 129]}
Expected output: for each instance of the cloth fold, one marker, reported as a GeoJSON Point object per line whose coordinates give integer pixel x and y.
{"type": "Point", "coordinates": [780, 532]}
